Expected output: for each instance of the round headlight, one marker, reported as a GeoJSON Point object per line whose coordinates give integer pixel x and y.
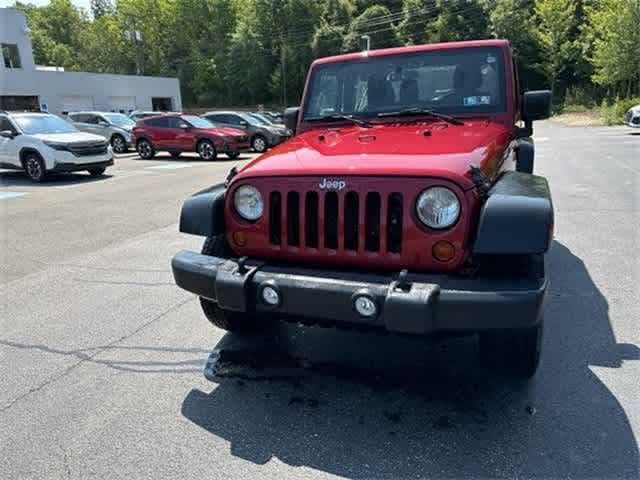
{"type": "Point", "coordinates": [438, 207]}
{"type": "Point", "coordinates": [248, 202]}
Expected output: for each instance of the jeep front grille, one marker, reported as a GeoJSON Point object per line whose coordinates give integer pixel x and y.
{"type": "Point", "coordinates": [350, 221]}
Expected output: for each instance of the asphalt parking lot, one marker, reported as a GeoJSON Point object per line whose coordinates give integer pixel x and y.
{"type": "Point", "coordinates": [102, 356]}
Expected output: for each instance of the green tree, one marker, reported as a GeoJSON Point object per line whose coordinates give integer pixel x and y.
{"type": "Point", "coordinates": [615, 28]}
{"type": "Point", "coordinates": [374, 21]}
{"type": "Point", "coordinates": [100, 8]}
{"type": "Point", "coordinates": [55, 32]}
{"type": "Point", "coordinates": [327, 40]}
{"type": "Point", "coordinates": [459, 20]}
{"type": "Point", "coordinates": [417, 20]}
{"type": "Point", "coordinates": [514, 20]}
{"type": "Point", "coordinates": [556, 33]}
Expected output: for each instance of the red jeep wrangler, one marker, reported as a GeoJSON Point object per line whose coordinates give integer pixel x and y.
{"type": "Point", "coordinates": [404, 202]}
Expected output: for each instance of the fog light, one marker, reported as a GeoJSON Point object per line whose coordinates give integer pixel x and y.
{"type": "Point", "coordinates": [270, 296]}
{"type": "Point", "coordinates": [365, 306]}
{"type": "Point", "coordinates": [443, 251]}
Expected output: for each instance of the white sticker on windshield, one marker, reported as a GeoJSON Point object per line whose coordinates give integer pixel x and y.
{"type": "Point", "coordinates": [476, 100]}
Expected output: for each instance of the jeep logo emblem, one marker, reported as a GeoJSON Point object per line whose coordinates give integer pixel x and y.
{"type": "Point", "coordinates": [329, 184]}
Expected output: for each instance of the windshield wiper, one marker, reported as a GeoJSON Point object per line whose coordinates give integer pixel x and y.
{"type": "Point", "coordinates": [339, 116]}
{"type": "Point", "coordinates": [422, 111]}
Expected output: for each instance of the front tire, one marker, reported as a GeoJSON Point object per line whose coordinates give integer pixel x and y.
{"type": "Point", "coordinates": [34, 167]}
{"type": "Point", "coordinates": [145, 149]}
{"type": "Point", "coordinates": [119, 144]}
{"type": "Point", "coordinates": [518, 350]}
{"type": "Point", "coordinates": [259, 144]}
{"type": "Point", "coordinates": [231, 321]}
{"type": "Point", "coordinates": [207, 150]}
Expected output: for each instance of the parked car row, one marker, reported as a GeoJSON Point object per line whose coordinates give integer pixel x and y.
{"type": "Point", "coordinates": [41, 143]}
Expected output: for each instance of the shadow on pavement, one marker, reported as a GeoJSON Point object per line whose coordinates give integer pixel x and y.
{"type": "Point", "coordinates": [20, 179]}
{"type": "Point", "coordinates": [366, 405]}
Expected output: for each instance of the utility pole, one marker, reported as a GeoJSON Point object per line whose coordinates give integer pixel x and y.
{"type": "Point", "coordinates": [283, 70]}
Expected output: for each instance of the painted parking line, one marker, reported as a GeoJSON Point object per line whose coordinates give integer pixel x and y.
{"type": "Point", "coordinates": [4, 195]}
{"type": "Point", "coordinates": [170, 166]}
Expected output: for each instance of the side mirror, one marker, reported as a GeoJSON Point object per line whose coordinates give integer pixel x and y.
{"type": "Point", "coordinates": [184, 127]}
{"type": "Point", "coordinates": [291, 118]}
{"type": "Point", "coordinates": [536, 105]}
{"type": "Point", "coordinates": [243, 123]}
{"type": "Point", "coordinates": [7, 134]}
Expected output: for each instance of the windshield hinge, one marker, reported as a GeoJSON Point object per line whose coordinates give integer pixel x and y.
{"type": "Point", "coordinates": [232, 173]}
{"type": "Point", "coordinates": [480, 181]}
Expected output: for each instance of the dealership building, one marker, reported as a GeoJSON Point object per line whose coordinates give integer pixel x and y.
{"type": "Point", "coordinates": [26, 86]}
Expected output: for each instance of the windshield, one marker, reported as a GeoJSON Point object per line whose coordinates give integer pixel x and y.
{"type": "Point", "coordinates": [467, 80]}
{"type": "Point", "coordinates": [34, 124]}
{"type": "Point", "coordinates": [119, 120]}
{"type": "Point", "coordinates": [251, 120]}
{"type": "Point", "coordinates": [262, 118]}
{"type": "Point", "coordinates": [198, 122]}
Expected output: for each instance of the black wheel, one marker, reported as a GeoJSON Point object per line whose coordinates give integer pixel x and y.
{"type": "Point", "coordinates": [119, 144]}
{"type": "Point", "coordinates": [207, 150]}
{"type": "Point", "coordinates": [259, 144]}
{"type": "Point", "coordinates": [231, 321]}
{"type": "Point", "coordinates": [145, 149]}
{"type": "Point", "coordinates": [96, 172]}
{"type": "Point", "coordinates": [175, 154]}
{"type": "Point", "coordinates": [233, 155]}
{"type": "Point", "coordinates": [34, 167]}
{"type": "Point", "coordinates": [518, 350]}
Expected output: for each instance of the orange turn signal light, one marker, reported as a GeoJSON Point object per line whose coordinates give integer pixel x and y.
{"type": "Point", "coordinates": [240, 238]}
{"type": "Point", "coordinates": [443, 251]}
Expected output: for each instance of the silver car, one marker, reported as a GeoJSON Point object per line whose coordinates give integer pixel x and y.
{"type": "Point", "coordinates": [115, 127]}
{"type": "Point", "coordinates": [632, 117]}
{"type": "Point", "coordinates": [262, 135]}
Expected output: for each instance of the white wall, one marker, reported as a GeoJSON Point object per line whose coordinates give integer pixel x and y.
{"type": "Point", "coordinates": [16, 81]}
{"type": "Point", "coordinates": [101, 88]}
{"type": "Point", "coordinates": [54, 86]}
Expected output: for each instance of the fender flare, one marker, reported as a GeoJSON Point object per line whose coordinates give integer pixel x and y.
{"type": "Point", "coordinates": [517, 217]}
{"type": "Point", "coordinates": [203, 212]}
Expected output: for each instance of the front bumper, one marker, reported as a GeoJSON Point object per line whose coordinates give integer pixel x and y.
{"type": "Point", "coordinates": [276, 139]}
{"type": "Point", "coordinates": [234, 147]}
{"type": "Point", "coordinates": [632, 119]}
{"type": "Point", "coordinates": [425, 304]}
{"type": "Point", "coordinates": [76, 167]}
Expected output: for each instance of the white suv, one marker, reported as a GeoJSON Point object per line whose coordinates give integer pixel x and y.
{"type": "Point", "coordinates": [41, 143]}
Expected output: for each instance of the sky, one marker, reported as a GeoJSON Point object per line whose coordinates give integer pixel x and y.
{"type": "Point", "coordinates": [78, 3]}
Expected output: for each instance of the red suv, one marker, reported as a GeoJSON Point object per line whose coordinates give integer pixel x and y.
{"type": "Point", "coordinates": [176, 133]}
